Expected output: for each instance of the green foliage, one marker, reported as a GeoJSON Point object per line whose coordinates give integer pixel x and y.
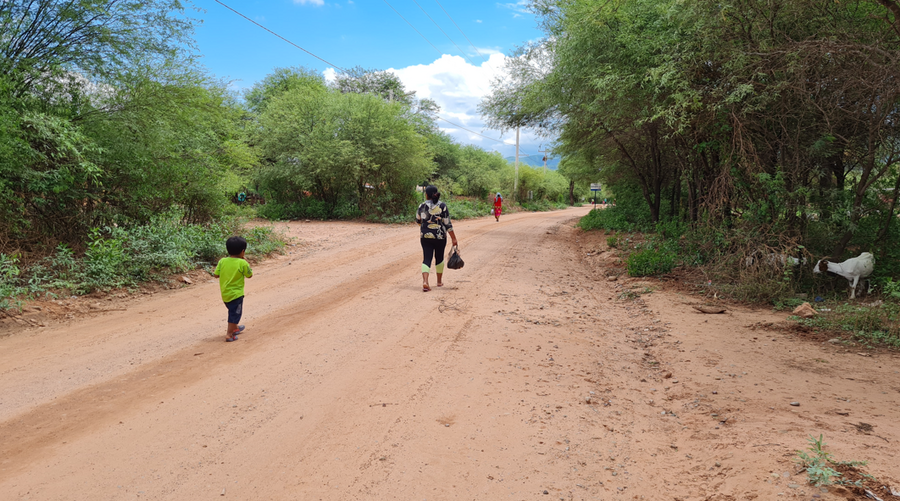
{"type": "Point", "coordinates": [283, 80]}
{"type": "Point", "coordinates": [340, 148]}
{"type": "Point", "coordinates": [544, 186]}
{"type": "Point", "coordinates": [117, 257]}
{"type": "Point", "coordinates": [55, 47]}
{"type": "Point", "coordinates": [891, 288]}
{"type": "Point", "coordinates": [479, 174]}
{"type": "Point", "coordinates": [52, 179]}
{"type": "Point", "coordinates": [467, 208]}
{"type": "Point", "coordinates": [9, 277]}
{"type": "Point", "coordinates": [610, 218]}
{"type": "Point", "coordinates": [384, 84]}
{"type": "Point", "coordinates": [818, 463]}
{"type": "Point", "coordinates": [651, 261]}
{"type": "Point", "coordinates": [750, 122]}
{"type": "Point", "coordinates": [870, 325]}
{"type": "Point", "coordinates": [612, 241]}
{"type": "Point", "coordinates": [629, 213]}
{"type": "Point", "coordinates": [104, 260]}
{"type": "Point", "coordinates": [307, 208]}
{"type": "Point", "coordinates": [581, 169]}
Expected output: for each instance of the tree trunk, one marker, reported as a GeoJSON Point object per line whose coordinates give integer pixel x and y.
{"type": "Point", "coordinates": [571, 192]}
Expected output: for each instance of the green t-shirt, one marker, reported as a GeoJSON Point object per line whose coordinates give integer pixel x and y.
{"type": "Point", "coordinates": [231, 272]}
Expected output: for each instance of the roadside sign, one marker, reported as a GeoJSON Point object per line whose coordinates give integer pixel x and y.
{"type": "Point", "coordinates": [595, 187]}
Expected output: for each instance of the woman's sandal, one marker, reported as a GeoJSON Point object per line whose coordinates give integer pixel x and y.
{"type": "Point", "coordinates": [426, 288]}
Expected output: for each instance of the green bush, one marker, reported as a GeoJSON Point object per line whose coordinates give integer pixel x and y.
{"type": "Point", "coordinates": [651, 261]}
{"type": "Point", "coordinates": [612, 218]}
{"type": "Point", "coordinates": [467, 208]}
{"type": "Point", "coordinates": [9, 276]}
{"type": "Point", "coordinates": [612, 241]}
{"type": "Point", "coordinates": [117, 257]}
{"type": "Point", "coordinates": [307, 208]}
{"type": "Point", "coordinates": [868, 324]}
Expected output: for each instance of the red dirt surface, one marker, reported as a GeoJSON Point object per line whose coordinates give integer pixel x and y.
{"type": "Point", "coordinates": [529, 375]}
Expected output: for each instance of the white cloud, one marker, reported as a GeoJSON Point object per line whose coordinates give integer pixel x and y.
{"type": "Point", "coordinates": [312, 2]}
{"type": "Point", "coordinates": [458, 87]}
{"type": "Point", "coordinates": [520, 7]}
{"type": "Point", "coordinates": [478, 21]}
{"type": "Point", "coordinates": [487, 51]}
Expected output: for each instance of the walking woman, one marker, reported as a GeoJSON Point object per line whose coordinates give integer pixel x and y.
{"type": "Point", "coordinates": [498, 206]}
{"type": "Point", "coordinates": [434, 221]}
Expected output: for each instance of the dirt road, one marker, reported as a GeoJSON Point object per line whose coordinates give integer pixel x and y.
{"type": "Point", "coordinates": [528, 376]}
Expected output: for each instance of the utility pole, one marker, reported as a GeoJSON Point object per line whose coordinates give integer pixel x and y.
{"type": "Point", "coordinates": [545, 158]}
{"type": "Point", "coordinates": [516, 181]}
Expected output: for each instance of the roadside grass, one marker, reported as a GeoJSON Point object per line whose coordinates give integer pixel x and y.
{"type": "Point", "coordinates": [124, 257]}
{"type": "Point", "coordinates": [467, 208]}
{"type": "Point", "coordinates": [307, 208]}
{"type": "Point", "coordinates": [874, 323]}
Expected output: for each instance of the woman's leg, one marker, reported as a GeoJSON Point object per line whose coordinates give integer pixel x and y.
{"type": "Point", "coordinates": [439, 247]}
{"type": "Point", "coordinates": [427, 254]}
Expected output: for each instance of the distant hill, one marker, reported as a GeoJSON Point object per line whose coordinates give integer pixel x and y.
{"type": "Point", "coordinates": [535, 161]}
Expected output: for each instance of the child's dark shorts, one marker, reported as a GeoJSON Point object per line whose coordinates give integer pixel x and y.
{"type": "Point", "coordinates": [235, 310]}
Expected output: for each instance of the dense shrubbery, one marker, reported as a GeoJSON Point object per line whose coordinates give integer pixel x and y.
{"type": "Point", "coordinates": [118, 257]}
{"type": "Point", "coordinates": [105, 123]}
{"type": "Point", "coordinates": [650, 261]}
{"type": "Point", "coordinates": [765, 132]}
{"type": "Point", "coordinates": [870, 325]}
{"type": "Point", "coordinates": [467, 208]}
{"type": "Point", "coordinates": [307, 208]}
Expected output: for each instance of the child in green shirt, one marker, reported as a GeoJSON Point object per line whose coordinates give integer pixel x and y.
{"type": "Point", "coordinates": [231, 272]}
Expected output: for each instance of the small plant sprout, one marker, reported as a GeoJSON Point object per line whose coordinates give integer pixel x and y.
{"type": "Point", "coordinates": [818, 464]}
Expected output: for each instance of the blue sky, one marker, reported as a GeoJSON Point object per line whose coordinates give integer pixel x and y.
{"type": "Point", "coordinates": [369, 33]}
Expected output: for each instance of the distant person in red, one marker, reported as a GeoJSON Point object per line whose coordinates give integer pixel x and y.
{"type": "Point", "coordinates": [498, 207]}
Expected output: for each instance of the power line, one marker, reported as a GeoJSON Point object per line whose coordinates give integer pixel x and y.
{"type": "Point", "coordinates": [460, 30]}
{"type": "Point", "coordinates": [413, 27]}
{"type": "Point", "coordinates": [477, 134]}
{"type": "Point", "coordinates": [342, 69]}
{"type": "Point", "coordinates": [281, 37]}
{"type": "Point", "coordinates": [444, 32]}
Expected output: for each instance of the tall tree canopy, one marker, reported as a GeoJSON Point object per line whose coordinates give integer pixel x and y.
{"type": "Point", "coordinates": [99, 39]}
{"type": "Point", "coordinates": [765, 114]}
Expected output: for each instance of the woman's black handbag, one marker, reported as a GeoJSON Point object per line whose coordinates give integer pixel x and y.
{"type": "Point", "coordinates": [455, 262]}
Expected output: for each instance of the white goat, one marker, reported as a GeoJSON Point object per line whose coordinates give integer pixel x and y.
{"type": "Point", "coordinates": [852, 269]}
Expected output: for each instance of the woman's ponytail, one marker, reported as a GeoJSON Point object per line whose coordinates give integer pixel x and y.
{"type": "Point", "coordinates": [432, 193]}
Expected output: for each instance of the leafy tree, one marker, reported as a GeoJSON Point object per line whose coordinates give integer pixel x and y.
{"type": "Point", "coordinates": [169, 145]}
{"type": "Point", "coordinates": [282, 80]}
{"type": "Point", "coordinates": [578, 168]}
{"type": "Point", "coordinates": [768, 118]}
{"type": "Point", "coordinates": [342, 147]}
{"type": "Point", "coordinates": [387, 85]}
{"type": "Point", "coordinates": [40, 40]}
{"type": "Point", "coordinates": [422, 113]}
